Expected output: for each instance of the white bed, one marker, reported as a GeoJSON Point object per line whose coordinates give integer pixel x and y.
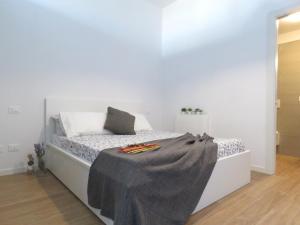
{"type": "Point", "coordinates": [65, 156]}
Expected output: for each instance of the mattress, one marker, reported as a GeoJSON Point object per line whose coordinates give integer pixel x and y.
{"type": "Point", "coordinates": [88, 147]}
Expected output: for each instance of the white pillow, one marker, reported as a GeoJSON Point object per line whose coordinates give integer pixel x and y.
{"type": "Point", "coordinates": [83, 123]}
{"type": "Point", "coordinates": [141, 123]}
{"type": "Point", "coordinates": [58, 127]}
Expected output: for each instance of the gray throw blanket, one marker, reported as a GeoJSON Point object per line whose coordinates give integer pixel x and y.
{"type": "Point", "coordinates": [161, 187]}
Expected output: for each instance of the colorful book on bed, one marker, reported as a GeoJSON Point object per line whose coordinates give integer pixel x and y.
{"type": "Point", "coordinates": [135, 149]}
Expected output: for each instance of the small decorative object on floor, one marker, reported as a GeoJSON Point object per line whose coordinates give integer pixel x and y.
{"type": "Point", "coordinates": [40, 152]}
{"type": "Point", "coordinates": [135, 149]}
{"type": "Point", "coordinates": [30, 164]}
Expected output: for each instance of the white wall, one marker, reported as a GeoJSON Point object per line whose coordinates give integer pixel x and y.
{"type": "Point", "coordinates": [218, 55]}
{"type": "Point", "coordinates": [91, 48]}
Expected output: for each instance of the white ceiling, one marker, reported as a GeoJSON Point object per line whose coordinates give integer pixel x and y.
{"type": "Point", "coordinates": [162, 3]}
{"type": "Point", "coordinates": [287, 25]}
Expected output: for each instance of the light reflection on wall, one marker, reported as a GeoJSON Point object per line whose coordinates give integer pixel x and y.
{"type": "Point", "coordinates": [114, 18]}
{"type": "Point", "coordinates": [188, 24]}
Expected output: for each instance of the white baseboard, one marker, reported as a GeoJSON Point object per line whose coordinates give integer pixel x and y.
{"type": "Point", "coordinates": [11, 171]}
{"type": "Point", "coordinates": [260, 169]}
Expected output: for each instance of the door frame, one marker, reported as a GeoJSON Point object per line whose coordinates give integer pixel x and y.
{"type": "Point", "coordinates": [271, 81]}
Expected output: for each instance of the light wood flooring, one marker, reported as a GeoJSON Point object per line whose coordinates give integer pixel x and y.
{"type": "Point", "coordinates": [268, 200]}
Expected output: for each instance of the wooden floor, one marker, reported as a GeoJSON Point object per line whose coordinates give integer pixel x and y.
{"type": "Point", "coordinates": [268, 200]}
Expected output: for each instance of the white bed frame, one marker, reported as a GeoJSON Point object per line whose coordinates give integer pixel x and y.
{"type": "Point", "coordinates": [230, 173]}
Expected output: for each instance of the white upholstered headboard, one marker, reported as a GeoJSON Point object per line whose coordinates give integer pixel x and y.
{"type": "Point", "coordinates": [54, 106]}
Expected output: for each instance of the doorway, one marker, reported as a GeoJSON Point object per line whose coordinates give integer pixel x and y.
{"type": "Point", "coordinates": [288, 86]}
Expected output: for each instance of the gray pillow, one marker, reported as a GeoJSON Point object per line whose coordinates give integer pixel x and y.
{"type": "Point", "coordinates": [119, 122]}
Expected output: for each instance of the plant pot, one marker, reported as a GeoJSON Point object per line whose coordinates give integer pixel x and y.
{"type": "Point", "coordinates": [41, 164]}
{"type": "Point", "coordinates": [30, 169]}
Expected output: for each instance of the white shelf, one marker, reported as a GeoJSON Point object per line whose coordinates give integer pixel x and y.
{"type": "Point", "coordinates": [193, 123]}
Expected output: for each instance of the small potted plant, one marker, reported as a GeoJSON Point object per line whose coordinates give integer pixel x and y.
{"type": "Point", "coordinates": [184, 110]}
{"type": "Point", "coordinates": [30, 164]}
{"type": "Point", "coordinates": [198, 111]}
{"type": "Point", "coordinates": [190, 110]}
{"type": "Point", "coordinates": [40, 152]}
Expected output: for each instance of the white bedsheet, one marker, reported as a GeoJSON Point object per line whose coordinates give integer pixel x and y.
{"type": "Point", "coordinates": [88, 147]}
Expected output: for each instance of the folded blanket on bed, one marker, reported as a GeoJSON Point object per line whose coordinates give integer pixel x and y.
{"type": "Point", "coordinates": [159, 187]}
